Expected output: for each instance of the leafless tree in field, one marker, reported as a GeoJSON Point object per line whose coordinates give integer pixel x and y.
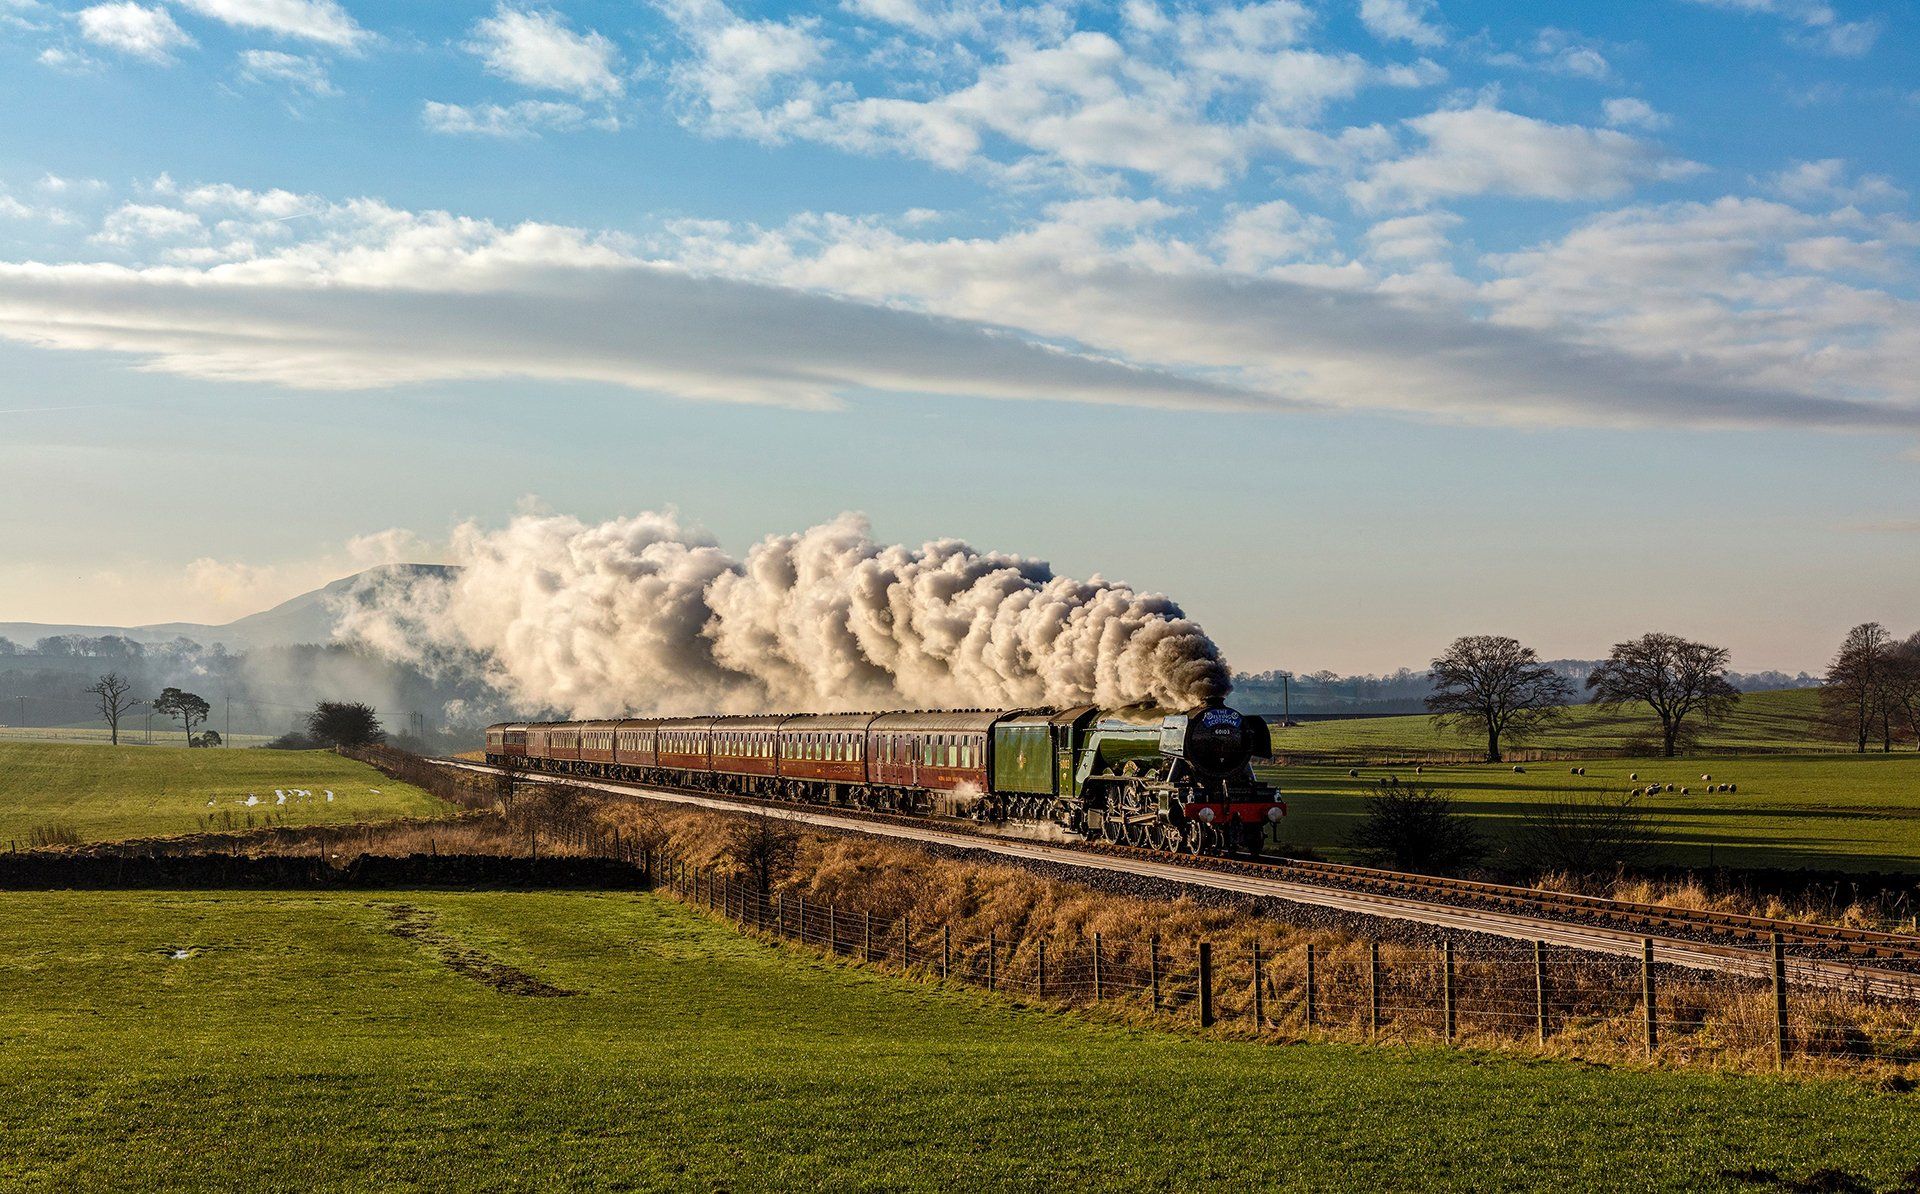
{"type": "Point", "coordinates": [1678, 678]}
{"type": "Point", "coordinates": [1491, 684]}
{"type": "Point", "coordinates": [764, 847]}
{"type": "Point", "coordinates": [111, 695]}
{"type": "Point", "coordinates": [1854, 696]}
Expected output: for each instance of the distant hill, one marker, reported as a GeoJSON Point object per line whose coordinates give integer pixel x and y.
{"type": "Point", "coordinates": [308, 618]}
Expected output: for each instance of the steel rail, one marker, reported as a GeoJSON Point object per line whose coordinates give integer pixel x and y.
{"type": "Point", "coordinates": [1256, 880]}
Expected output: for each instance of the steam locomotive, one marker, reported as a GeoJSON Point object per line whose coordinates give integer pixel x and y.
{"type": "Point", "coordinates": [1181, 781]}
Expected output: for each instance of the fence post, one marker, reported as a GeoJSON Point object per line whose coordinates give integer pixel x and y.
{"type": "Point", "coordinates": [1446, 986]}
{"type": "Point", "coordinates": [1647, 994]}
{"type": "Point", "coordinates": [866, 941]}
{"type": "Point", "coordinates": [780, 914]}
{"type": "Point", "coordinates": [1312, 984]}
{"type": "Point", "coordinates": [1259, 1002]}
{"type": "Point", "coordinates": [833, 931]}
{"type": "Point", "coordinates": [1540, 991]}
{"type": "Point", "coordinates": [1779, 1002]}
{"type": "Point", "coordinates": [1098, 993]}
{"type": "Point", "coordinates": [993, 948]}
{"type": "Point", "coordinates": [1040, 973]}
{"type": "Point", "coordinates": [946, 951]}
{"type": "Point", "coordinates": [1206, 984]}
{"type": "Point", "coordinates": [1373, 988]}
{"type": "Point", "coordinates": [906, 941]}
{"type": "Point", "coordinates": [1153, 965]}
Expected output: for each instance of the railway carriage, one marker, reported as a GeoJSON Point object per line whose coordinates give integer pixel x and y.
{"type": "Point", "coordinates": [1180, 781]}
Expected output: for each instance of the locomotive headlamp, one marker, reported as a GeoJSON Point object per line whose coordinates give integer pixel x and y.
{"type": "Point", "coordinates": [1275, 813]}
{"type": "Point", "coordinates": [1206, 814]}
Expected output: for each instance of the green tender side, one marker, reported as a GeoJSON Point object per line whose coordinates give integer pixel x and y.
{"type": "Point", "coordinates": [1023, 759]}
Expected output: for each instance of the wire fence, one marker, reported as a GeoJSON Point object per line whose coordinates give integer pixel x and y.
{"type": "Point", "coordinates": [1529, 994]}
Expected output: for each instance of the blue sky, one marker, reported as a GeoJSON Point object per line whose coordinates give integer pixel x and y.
{"type": "Point", "coordinates": [1354, 326]}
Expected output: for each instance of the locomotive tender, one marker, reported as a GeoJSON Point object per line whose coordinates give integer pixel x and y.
{"type": "Point", "coordinates": [1180, 781]}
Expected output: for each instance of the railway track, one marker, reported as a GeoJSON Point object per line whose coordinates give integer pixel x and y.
{"type": "Point", "coordinates": [1822, 955]}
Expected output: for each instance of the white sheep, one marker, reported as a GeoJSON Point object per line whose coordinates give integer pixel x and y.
{"type": "Point", "coordinates": [1683, 791]}
{"type": "Point", "coordinates": [1634, 775]}
{"type": "Point", "coordinates": [1519, 770]}
{"type": "Point", "coordinates": [1353, 773]}
{"type": "Point", "coordinates": [1705, 778]}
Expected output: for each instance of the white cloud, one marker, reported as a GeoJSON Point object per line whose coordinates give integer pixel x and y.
{"type": "Point", "coordinates": [1415, 238]}
{"type": "Point", "coordinates": [377, 297]}
{"type": "Point", "coordinates": [321, 21]}
{"type": "Point", "coordinates": [1402, 20]}
{"type": "Point", "coordinates": [527, 118]}
{"type": "Point", "coordinates": [736, 65]}
{"type": "Point", "coordinates": [148, 33]}
{"type": "Point", "coordinates": [56, 58]}
{"type": "Point", "coordinates": [1272, 233]}
{"type": "Point", "coordinates": [1826, 181]}
{"type": "Point", "coordinates": [1490, 151]}
{"type": "Point", "coordinates": [1628, 112]}
{"type": "Point", "coordinates": [1332, 335]}
{"type": "Point", "coordinates": [1189, 99]}
{"type": "Point", "coordinates": [133, 223]}
{"type": "Point", "coordinates": [291, 70]}
{"type": "Point", "coordinates": [537, 48]}
{"type": "Point", "coordinates": [13, 209]}
{"type": "Point", "coordinates": [1740, 286]}
{"type": "Point", "coordinates": [1811, 23]}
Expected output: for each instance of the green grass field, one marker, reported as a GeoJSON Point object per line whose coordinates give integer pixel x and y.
{"type": "Point", "coordinates": [1842, 812]}
{"type": "Point", "coordinates": [278, 1040]}
{"type": "Point", "coordinates": [1762, 721]}
{"type": "Point", "coordinates": [105, 793]}
{"type": "Point", "coordinates": [134, 736]}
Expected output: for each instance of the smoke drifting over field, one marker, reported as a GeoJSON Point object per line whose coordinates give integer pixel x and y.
{"type": "Point", "coordinates": [637, 615]}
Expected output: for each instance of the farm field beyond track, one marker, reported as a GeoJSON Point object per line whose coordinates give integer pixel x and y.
{"type": "Point", "coordinates": [1780, 721]}
{"type": "Point", "coordinates": [106, 793]}
{"type": "Point", "coordinates": [1831, 812]}
{"type": "Point", "coordinates": [440, 1040]}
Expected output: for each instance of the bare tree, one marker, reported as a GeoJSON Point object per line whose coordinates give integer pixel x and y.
{"type": "Point", "coordinates": [1490, 684]}
{"type": "Point", "coordinates": [1853, 697]}
{"type": "Point", "coordinates": [111, 694]}
{"type": "Point", "coordinates": [764, 847]}
{"type": "Point", "coordinates": [1415, 829]}
{"type": "Point", "coordinates": [189, 708]}
{"type": "Point", "coordinates": [1901, 700]}
{"type": "Point", "coordinates": [1586, 833]}
{"type": "Point", "coordinates": [1678, 678]}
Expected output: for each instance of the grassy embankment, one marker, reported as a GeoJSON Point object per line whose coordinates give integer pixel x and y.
{"type": "Point", "coordinates": [104, 794]}
{"type": "Point", "coordinates": [248, 1040]}
{"type": "Point", "coordinates": [1802, 802]}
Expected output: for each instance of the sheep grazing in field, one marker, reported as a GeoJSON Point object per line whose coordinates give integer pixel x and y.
{"type": "Point", "coordinates": [1637, 792]}
{"type": "Point", "coordinates": [1683, 791]}
{"type": "Point", "coordinates": [1353, 773]}
{"type": "Point", "coordinates": [1633, 775]}
{"type": "Point", "coordinates": [1418, 770]}
{"type": "Point", "coordinates": [1705, 778]}
{"type": "Point", "coordinates": [1733, 787]}
{"type": "Point", "coordinates": [1519, 770]}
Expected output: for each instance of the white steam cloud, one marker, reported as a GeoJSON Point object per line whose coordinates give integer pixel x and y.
{"type": "Point", "coordinates": [637, 615]}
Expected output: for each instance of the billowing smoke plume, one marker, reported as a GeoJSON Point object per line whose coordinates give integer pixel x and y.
{"type": "Point", "coordinates": [636, 615]}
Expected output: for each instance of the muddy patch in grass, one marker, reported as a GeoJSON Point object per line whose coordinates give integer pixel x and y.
{"type": "Point", "coordinates": [421, 927]}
